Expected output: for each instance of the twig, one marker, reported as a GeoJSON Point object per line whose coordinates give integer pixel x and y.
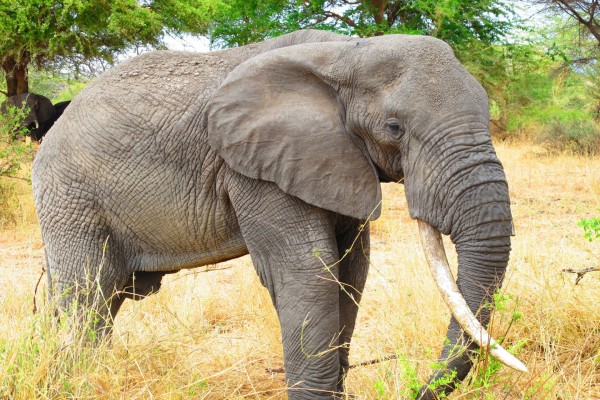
{"type": "Point", "coordinates": [360, 364]}
{"type": "Point", "coordinates": [375, 361]}
{"type": "Point", "coordinates": [581, 272]}
{"type": "Point", "coordinates": [36, 289]}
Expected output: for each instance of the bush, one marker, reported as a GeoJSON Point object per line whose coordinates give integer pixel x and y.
{"type": "Point", "coordinates": [575, 137]}
{"type": "Point", "coordinates": [13, 151]}
{"type": "Point", "coordinates": [9, 203]}
{"type": "Point", "coordinates": [591, 228]}
{"type": "Point", "coordinates": [552, 109]}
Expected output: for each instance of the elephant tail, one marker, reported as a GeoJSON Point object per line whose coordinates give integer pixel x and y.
{"type": "Point", "coordinates": [50, 287]}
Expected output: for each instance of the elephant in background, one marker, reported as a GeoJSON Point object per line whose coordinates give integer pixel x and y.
{"type": "Point", "coordinates": [41, 115]}
{"type": "Point", "coordinates": [175, 160]}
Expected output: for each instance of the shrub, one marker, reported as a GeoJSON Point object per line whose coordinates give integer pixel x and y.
{"type": "Point", "coordinates": [575, 137]}
{"type": "Point", "coordinates": [13, 151]}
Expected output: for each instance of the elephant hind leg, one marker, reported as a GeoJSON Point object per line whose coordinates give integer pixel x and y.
{"type": "Point", "coordinates": [86, 260]}
{"type": "Point", "coordinates": [86, 279]}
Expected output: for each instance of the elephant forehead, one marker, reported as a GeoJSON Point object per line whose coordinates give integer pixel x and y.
{"type": "Point", "coordinates": [400, 59]}
{"type": "Point", "coordinates": [410, 49]}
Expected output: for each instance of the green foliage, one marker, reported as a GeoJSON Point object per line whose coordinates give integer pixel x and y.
{"type": "Point", "coordinates": [591, 228]}
{"type": "Point", "coordinates": [13, 151]}
{"type": "Point", "coordinates": [543, 88]}
{"type": "Point", "coordinates": [69, 33]}
{"type": "Point", "coordinates": [386, 387]}
{"type": "Point", "coordinates": [455, 21]}
{"type": "Point", "coordinates": [543, 83]}
{"type": "Point", "coordinates": [242, 22]}
{"type": "Point", "coordinates": [13, 154]}
{"type": "Point", "coordinates": [410, 378]}
{"type": "Point", "coordinates": [380, 389]}
{"type": "Point", "coordinates": [485, 372]}
{"type": "Point", "coordinates": [69, 91]}
{"type": "Point", "coordinates": [56, 86]}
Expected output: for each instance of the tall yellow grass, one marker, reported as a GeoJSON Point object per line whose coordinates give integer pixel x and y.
{"type": "Point", "coordinates": [214, 335]}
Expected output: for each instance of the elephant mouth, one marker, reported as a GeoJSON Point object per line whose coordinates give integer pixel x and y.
{"type": "Point", "coordinates": [435, 254]}
{"type": "Point", "coordinates": [383, 177]}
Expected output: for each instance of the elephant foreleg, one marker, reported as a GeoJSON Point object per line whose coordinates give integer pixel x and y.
{"type": "Point", "coordinates": [294, 250]}
{"type": "Point", "coordinates": [353, 246]}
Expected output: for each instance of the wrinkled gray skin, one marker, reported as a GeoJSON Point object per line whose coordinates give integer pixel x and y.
{"type": "Point", "coordinates": [177, 160]}
{"type": "Point", "coordinates": [41, 112]}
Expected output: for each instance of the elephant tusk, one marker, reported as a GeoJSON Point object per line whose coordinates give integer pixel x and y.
{"type": "Point", "coordinates": [37, 125]}
{"type": "Point", "coordinates": [431, 239]}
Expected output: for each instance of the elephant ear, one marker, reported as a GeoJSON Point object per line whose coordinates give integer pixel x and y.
{"type": "Point", "coordinates": [275, 118]}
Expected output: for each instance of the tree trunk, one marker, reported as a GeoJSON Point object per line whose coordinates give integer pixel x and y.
{"type": "Point", "coordinates": [378, 8]}
{"type": "Point", "coordinates": [15, 72]}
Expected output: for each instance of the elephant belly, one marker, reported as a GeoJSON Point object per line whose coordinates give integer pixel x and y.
{"type": "Point", "coordinates": [168, 227]}
{"type": "Point", "coordinates": [170, 239]}
{"type": "Point", "coordinates": [171, 262]}
{"type": "Point", "coordinates": [169, 246]}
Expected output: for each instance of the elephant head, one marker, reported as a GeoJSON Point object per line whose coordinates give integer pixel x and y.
{"type": "Point", "coordinates": [328, 121]}
{"type": "Point", "coordinates": [41, 113]}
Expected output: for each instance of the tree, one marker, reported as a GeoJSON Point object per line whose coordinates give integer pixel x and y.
{"type": "Point", "coordinates": [53, 34]}
{"type": "Point", "coordinates": [584, 12]}
{"type": "Point", "coordinates": [455, 21]}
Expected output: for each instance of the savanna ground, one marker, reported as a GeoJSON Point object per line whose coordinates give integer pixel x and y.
{"type": "Point", "coordinates": [214, 334]}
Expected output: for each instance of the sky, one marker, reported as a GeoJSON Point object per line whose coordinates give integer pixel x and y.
{"type": "Point", "coordinates": [187, 42]}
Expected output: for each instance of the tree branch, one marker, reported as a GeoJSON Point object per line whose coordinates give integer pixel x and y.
{"type": "Point", "coordinates": [360, 364]}
{"type": "Point", "coordinates": [339, 17]}
{"type": "Point", "coordinates": [590, 24]}
{"type": "Point", "coordinates": [581, 272]}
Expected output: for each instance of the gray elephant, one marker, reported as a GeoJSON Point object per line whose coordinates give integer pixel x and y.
{"type": "Point", "coordinates": [41, 113]}
{"type": "Point", "coordinates": [176, 160]}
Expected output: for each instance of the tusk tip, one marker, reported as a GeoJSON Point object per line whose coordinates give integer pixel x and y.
{"type": "Point", "coordinates": [520, 367]}
{"type": "Point", "coordinates": [507, 359]}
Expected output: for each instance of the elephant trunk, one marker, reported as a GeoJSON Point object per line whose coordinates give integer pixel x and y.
{"type": "Point", "coordinates": [482, 263]}
{"type": "Point", "coordinates": [468, 200]}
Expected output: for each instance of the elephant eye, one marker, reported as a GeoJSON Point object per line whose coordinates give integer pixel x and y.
{"type": "Point", "coordinates": [393, 127]}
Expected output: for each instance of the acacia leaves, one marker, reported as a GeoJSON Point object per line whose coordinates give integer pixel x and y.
{"type": "Point", "coordinates": [57, 33]}
{"type": "Point", "coordinates": [455, 21]}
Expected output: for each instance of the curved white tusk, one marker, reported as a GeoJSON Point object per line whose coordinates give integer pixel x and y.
{"type": "Point", "coordinates": [37, 125]}
{"type": "Point", "coordinates": [431, 239]}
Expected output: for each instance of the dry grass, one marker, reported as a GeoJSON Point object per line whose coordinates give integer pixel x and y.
{"type": "Point", "coordinates": [212, 335]}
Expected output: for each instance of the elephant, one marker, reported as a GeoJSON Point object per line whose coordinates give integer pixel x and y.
{"type": "Point", "coordinates": [41, 115]}
{"type": "Point", "coordinates": [175, 160]}
{"type": "Point", "coordinates": [60, 108]}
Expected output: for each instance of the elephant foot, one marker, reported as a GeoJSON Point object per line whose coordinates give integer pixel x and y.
{"type": "Point", "coordinates": [342, 394]}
